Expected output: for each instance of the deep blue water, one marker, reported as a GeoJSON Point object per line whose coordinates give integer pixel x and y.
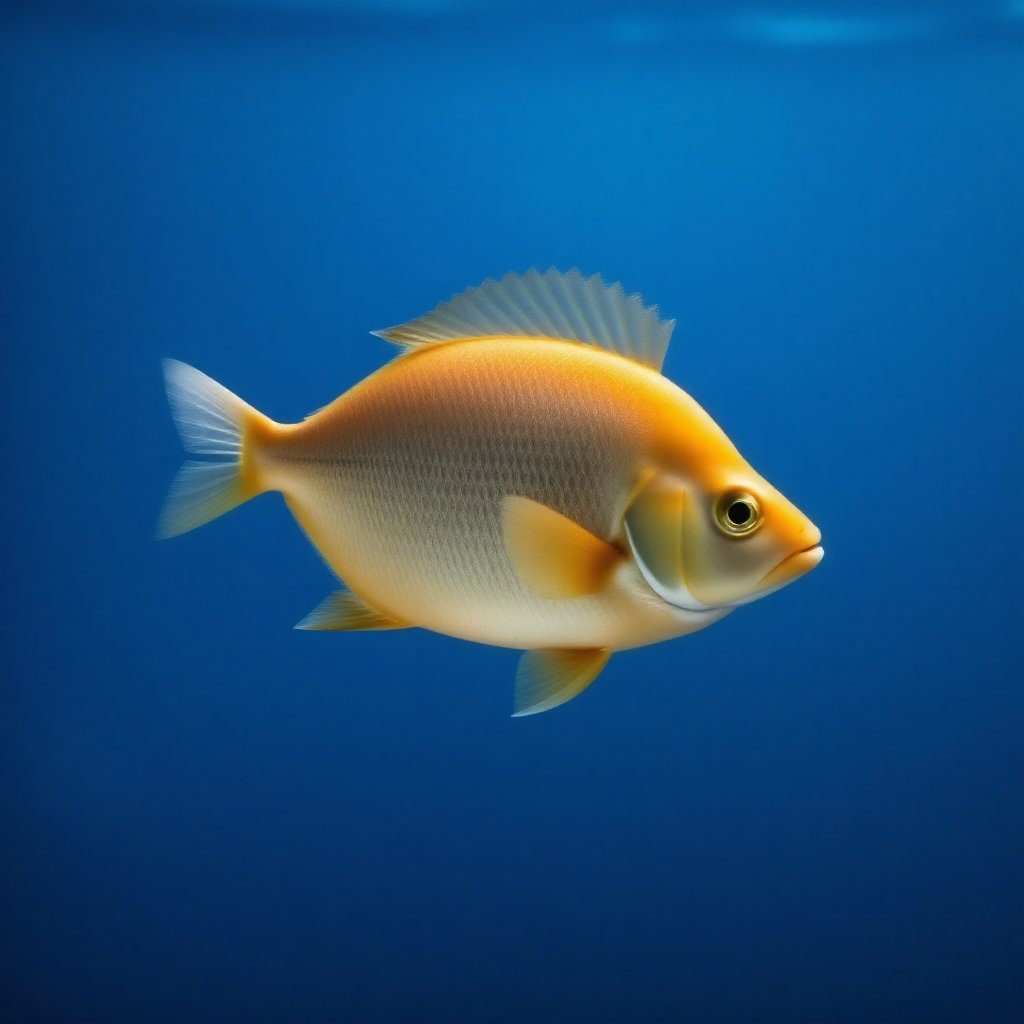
{"type": "Point", "coordinates": [811, 812]}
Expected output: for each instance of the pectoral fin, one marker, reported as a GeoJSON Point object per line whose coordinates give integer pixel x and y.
{"type": "Point", "coordinates": [654, 529]}
{"type": "Point", "coordinates": [345, 610]}
{"type": "Point", "coordinates": [546, 679]}
{"type": "Point", "coordinates": [554, 556]}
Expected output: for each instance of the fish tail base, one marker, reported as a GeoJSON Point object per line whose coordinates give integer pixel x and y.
{"type": "Point", "coordinates": [227, 432]}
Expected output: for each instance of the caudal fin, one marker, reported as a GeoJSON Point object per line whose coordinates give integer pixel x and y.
{"type": "Point", "coordinates": [212, 422]}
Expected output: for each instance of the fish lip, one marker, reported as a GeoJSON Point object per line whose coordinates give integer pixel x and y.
{"type": "Point", "coordinates": [810, 549]}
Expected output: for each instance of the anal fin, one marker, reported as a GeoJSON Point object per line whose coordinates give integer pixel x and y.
{"type": "Point", "coordinates": [554, 556]}
{"type": "Point", "coordinates": [546, 679]}
{"type": "Point", "coordinates": [345, 610]}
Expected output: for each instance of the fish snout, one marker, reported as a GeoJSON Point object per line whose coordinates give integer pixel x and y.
{"type": "Point", "coordinates": [796, 564]}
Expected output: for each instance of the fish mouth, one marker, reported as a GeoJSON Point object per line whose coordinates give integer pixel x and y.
{"type": "Point", "coordinates": [792, 566]}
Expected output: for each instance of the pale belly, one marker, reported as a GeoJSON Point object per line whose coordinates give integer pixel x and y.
{"type": "Point", "coordinates": [415, 562]}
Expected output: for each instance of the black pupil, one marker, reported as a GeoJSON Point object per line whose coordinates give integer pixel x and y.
{"type": "Point", "coordinates": [739, 513]}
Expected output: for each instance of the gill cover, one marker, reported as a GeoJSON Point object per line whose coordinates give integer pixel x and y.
{"type": "Point", "coordinates": [654, 529]}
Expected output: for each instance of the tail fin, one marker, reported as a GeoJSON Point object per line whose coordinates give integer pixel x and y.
{"type": "Point", "coordinates": [211, 421]}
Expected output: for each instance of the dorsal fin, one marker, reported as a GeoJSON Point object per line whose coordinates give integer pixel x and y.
{"type": "Point", "coordinates": [569, 307]}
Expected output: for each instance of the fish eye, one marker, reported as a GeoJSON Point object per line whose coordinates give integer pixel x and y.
{"type": "Point", "coordinates": [737, 513]}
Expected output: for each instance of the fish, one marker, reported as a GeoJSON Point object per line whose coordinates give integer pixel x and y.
{"type": "Point", "coordinates": [521, 474]}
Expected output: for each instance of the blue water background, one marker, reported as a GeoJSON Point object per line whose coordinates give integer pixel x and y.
{"type": "Point", "coordinates": [813, 811]}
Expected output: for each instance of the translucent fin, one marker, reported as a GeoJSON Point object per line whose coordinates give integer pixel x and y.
{"type": "Point", "coordinates": [554, 556]}
{"type": "Point", "coordinates": [654, 529]}
{"type": "Point", "coordinates": [546, 679]}
{"type": "Point", "coordinates": [211, 421]}
{"type": "Point", "coordinates": [568, 306]}
{"type": "Point", "coordinates": [200, 492]}
{"type": "Point", "coordinates": [209, 418]}
{"type": "Point", "coordinates": [345, 610]}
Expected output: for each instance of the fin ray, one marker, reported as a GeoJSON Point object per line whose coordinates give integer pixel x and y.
{"type": "Point", "coordinates": [554, 556]}
{"type": "Point", "coordinates": [200, 493]}
{"type": "Point", "coordinates": [344, 610]}
{"type": "Point", "coordinates": [211, 421]}
{"type": "Point", "coordinates": [546, 679]}
{"type": "Point", "coordinates": [568, 307]}
{"type": "Point", "coordinates": [207, 415]}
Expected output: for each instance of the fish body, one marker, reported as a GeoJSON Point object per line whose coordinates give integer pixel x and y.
{"type": "Point", "coordinates": [522, 475]}
{"type": "Point", "coordinates": [400, 484]}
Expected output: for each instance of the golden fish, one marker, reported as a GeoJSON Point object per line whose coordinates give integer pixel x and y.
{"type": "Point", "coordinates": [520, 475]}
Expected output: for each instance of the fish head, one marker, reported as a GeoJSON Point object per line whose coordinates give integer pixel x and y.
{"type": "Point", "coordinates": [742, 539]}
{"type": "Point", "coordinates": [720, 537]}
